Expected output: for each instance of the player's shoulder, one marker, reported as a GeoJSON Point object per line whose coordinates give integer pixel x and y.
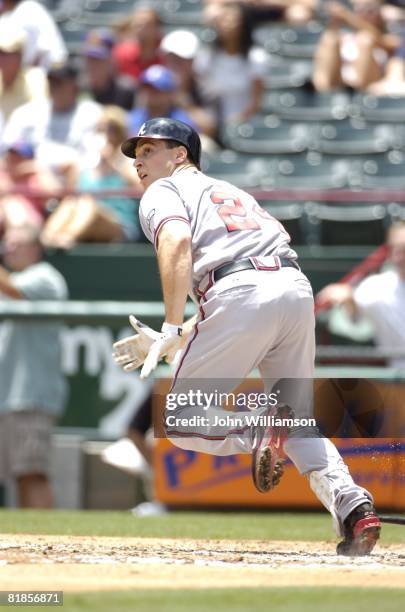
{"type": "Point", "coordinates": [188, 176]}
{"type": "Point", "coordinates": [228, 188]}
{"type": "Point", "coordinates": [158, 196]}
{"type": "Point", "coordinates": [185, 184]}
{"type": "Point", "coordinates": [158, 188]}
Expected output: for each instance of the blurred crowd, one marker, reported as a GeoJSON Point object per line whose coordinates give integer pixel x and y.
{"type": "Point", "coordinates": [62, 118]}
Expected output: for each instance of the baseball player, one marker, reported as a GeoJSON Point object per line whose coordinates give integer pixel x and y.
{"type": "Point", "coordinates": [255, 310]}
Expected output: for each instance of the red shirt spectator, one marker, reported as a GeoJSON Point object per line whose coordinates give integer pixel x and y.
{"type": "Point", "coordinates": [135, 55]}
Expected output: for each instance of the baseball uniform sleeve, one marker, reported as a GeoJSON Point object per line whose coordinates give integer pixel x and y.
{"type": "Point", "coordinates": [161, 203]}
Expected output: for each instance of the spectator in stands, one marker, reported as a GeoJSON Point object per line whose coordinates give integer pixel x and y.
{"type": "Point", "coordinates": [141, 48]}
{"type": "Point", "coordinates": [179, 49]}
{"type": "Point", "coordinates": [353, 58]}
{"type": "Point", "coordinates": [32, 387]}
{"type": "Point", "coordinates": [45, 45]}
{"type": "Point", "coordinates": [18, 84]}
{"type": "Point", "coordinates": [393, 81]}
{"type": "Point", "coordinates": [20, 170]}
{"type": "Point", "coordinates": [156, 98]}
{"type": "Point", "coordinates": [102, 80]}
{"type": "Point", "coordinates": [380, 297]}
{"type": "Point", "coordinates": [230, 70]}
{"type": "Point", "coordinates": [63, 128]}
{"type": "Point", "coordinates": [88, 218]}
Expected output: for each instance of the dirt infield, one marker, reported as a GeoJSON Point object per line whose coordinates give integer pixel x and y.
{"type": "Point", "coordinates": [73, 563]}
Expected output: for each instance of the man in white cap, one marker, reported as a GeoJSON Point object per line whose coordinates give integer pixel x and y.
{"type": "Point", "coordinates": [18, 84]}
{"type": "Point", "coordinates": [179, 48]}
{"type": "Point", "coordinates": [63, 127]}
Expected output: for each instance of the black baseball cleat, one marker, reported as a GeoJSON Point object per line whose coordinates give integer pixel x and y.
{"type": "Point", "coordinates": [267, 462]}
{"type": "Point", "coordinates": [361, 530]}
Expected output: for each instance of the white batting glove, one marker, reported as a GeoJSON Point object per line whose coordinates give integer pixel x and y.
{"type": "Point", "coordinates": [169, 340]}
{"type": "Point", "coordinates": [130, 353]}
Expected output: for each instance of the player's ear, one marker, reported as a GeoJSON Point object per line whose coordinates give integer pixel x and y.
{"type": "Point", "coordinates": [181, 154]}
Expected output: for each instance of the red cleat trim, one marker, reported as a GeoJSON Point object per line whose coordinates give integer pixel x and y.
{"type": "Point", "coordinates": [365, 523]}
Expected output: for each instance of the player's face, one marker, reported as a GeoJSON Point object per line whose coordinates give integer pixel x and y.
{"type": "Point", "coordinates": [154, 160]}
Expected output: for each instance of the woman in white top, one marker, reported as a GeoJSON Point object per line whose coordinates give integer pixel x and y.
{"type": "Point", "coordinates": [230, 70]}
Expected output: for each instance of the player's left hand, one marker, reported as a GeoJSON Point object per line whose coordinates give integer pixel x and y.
{"type": "Point", "coordinates": [169, 341]}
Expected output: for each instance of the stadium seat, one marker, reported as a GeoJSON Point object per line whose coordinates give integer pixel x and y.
{"type": "Point", "coordinates": [105, 13]}
{"type": "Point", "coordinates": [384, 171]}
{"type": "Point", "coordinates": [302, 105]}
{"type": "Point", "coordinates": [100, 19]}
{"type": "Point", "coordinates": [181, 12]}
{"type": "Point", "coordinates": [299, 42]}
{"type": "Point", "coordinates": [348, 224]}
{"type": "Point", "coordinates": [241, 170]}
{"type": "Point", "coordinates": [287, 74]}
{"type": "Point", "coordinates": [268, 36]}
{"type": "Point", "coordinates": [73, 33]}
{"type": "Point", "coordinates": [267, 134]}
{"type": "Point", "coordinates": [51, 5]}
{"type": "Point", "coordinates": [203, 32]}
{"type": "Point", "coordinates": [307, 172]}
{"type": "Point", "coordinates": [67, 9]}
{"type": "Point", "coordinates": [354, 138]}
{"type": "Point", "coordinates": [396, 211]}
{"type": "Point", "coordinates": [109, 6]}
{"type": "Point", "coordinates": [381, 109]}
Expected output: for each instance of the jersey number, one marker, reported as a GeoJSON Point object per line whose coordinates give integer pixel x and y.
{"type": "Point", "coordinates": [234, 208]}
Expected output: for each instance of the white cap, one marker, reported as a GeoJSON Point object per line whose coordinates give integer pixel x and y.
{"type": "Point", "coordinates": [181, 43]}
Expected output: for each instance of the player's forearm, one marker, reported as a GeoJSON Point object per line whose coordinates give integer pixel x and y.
{"type": "Point", "coordinates": [174, 258]}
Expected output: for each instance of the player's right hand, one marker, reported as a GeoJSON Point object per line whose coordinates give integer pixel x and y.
{"type": "Point", "coordinates": [130, 353]}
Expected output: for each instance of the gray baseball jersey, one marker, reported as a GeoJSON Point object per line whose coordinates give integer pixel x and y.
{"type": "Point", "coordinates": [226, 223]}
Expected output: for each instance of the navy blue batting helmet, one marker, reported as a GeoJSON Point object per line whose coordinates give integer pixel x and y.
{"type": "Point", "coordinates": [164, 128]}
